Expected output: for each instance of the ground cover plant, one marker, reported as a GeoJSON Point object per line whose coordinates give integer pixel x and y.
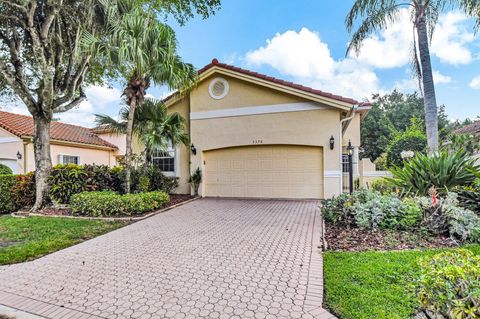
{"type": "Point", "coordinates": [23, 239]}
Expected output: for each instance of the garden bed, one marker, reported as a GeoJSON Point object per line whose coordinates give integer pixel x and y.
{"type": "Point", "coordinates": [341, 238]}
{"type": "Point", "coordinates": [175, 199]}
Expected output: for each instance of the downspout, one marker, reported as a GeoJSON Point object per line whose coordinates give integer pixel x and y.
{"type": "Point", "coordinates": [354, 110]}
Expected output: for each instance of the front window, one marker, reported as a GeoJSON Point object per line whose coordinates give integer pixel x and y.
{"type": "Point", "coordinates": [69, 159]}
{"type": "Point", "coordinates": [164, 159]}
{"type": "Point", "coordinates": [345, 163]}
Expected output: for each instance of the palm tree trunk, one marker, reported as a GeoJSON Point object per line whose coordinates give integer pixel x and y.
{"type": "Point", "coordinates": [429, 98]}
{"type": "Point", "coordinates": [43, 160]}
{"type": "Point", "coordinates": [128, 151]}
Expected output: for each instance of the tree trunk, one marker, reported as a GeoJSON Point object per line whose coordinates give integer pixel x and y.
{"type": "Point", "coordinates": [429, 98]}
{"type": "Point", "coordinates": [128, 152]}
{"type": "Point", "coordinates": [43, 161]}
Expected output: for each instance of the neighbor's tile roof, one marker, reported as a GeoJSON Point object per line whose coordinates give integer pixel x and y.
{"type": "Point", "coordinates": [22, 125]}
{"type": "Point", "coordinates": [471, 128]}
{"type": "Point", "coordinates": [282, 82]}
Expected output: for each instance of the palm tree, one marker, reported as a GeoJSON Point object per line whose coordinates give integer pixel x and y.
{"type": "Point", "coordinates": [144, 51]}
{"type": "Point", "coordinates": [152, 124]}
{"type": "Point", "coordinates": [425, 13]}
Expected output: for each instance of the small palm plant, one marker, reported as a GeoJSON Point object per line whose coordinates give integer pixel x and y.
{"type": "Point", "coordinates": [195, 180]}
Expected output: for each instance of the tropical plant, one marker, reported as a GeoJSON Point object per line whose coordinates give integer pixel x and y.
{"type": "Point", "coordinates": [145, 52]}
{"type": "Point", "coordinates": [443, 170]}
{"type": "Point", "coordinates": [468, 142]}
{"type": "Point", "coordinates": [7, 201]}
{"type": "Point", "coordinates": [195, 180]}
{"type": "Point", "coordinates": [153, 125]}
{"type": "Point", "coordinates": [424, 14]}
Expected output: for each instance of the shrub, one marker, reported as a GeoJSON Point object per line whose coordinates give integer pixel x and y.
{"type": "Point", "coordinates": [66, 180]}
{"type": "Point", "coordinates": [24, 190]}
{"type": "Point", "coordinates": [413, 139]}
{"type": "Point", "coordinates": [383, 186]}
{"type": "Point", "coordinates": [102, 177]}
{"type": "Point", "coordinates": [7, 202]}
{"type": "Point", "coordinates": [195, 180]}
{"type": "Point", "coordinates": [5, 170]}
{"type": "Point", "coordinates": [463, 223]}
{"type": "Point", "coordinates": [469, 197]}
{"type": "Point", "coordinates": [108, 203]}
{"type": "Point", "coordinates": [449, 284]}
{"type": "Point", "coordinates": [442, 170]}
{"type": "Point", "coordinates": [151, 178]}
{"type": "Point", "coordinates": [371, 210]}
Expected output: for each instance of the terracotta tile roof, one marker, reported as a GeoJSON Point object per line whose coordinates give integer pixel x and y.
{"type": "Point", "coordinates": [473, 128]}
{"type": "Point", "coordinates": [22, 125]}
{"type": "Point", "coordinates": [282, 82]}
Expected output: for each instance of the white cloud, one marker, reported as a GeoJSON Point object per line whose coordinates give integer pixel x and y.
{"type": "Point", "coordinates": [391, 47]}
{"type": "Point", "coordinates": [303, 56]}
{"type": "Point", "coordinates": [450, 39]}
{"type": "Point", "coordinates": [475, 83]}
{"type": "Point", "coordinates": [439, 78]}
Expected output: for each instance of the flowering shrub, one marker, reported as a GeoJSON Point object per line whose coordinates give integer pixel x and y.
{"type": "Point", "coordinates": [449, 284]}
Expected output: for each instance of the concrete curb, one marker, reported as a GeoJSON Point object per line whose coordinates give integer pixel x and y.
{"type": "Point", "coordinates": [111, 219]}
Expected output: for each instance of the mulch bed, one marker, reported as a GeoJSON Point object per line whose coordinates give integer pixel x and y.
{"type": "Point", "coordinates": [340, 238]}
{"type": "Point", "coordinates": [55, 211]}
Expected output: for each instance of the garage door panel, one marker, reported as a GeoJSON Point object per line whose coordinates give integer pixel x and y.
{"type": "Point", "coordinates": [273, 171]}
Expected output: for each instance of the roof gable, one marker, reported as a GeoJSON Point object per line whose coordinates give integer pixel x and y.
{"type": "Point", "coordinates": [23, 126]}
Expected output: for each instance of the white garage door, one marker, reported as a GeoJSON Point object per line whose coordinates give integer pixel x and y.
{"type": "Point", "coordinates": [274, 171]}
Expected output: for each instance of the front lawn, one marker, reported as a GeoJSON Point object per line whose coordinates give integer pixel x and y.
{"type": "Point", "coordinates": [23, 239]}
{"type": "Point", "coordinates": [373, 284]}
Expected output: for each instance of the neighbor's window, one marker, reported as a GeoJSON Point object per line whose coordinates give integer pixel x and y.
{"type": "Point", "coordinates": [69, 159]}
{"type": "Point", "coordinates": [164, 159]}
{"type": "Point", "coordinates": [345, 163]}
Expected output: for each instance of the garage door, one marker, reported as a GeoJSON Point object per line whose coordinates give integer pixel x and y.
{"type": "Point", "coordinates": [274, 171]}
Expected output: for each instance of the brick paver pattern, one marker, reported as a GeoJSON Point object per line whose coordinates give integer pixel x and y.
{"type": "Point", "coordinates": [213, 258]}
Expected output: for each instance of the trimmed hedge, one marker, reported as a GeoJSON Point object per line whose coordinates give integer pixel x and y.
{"type": "Point", "coordinates": [5, 170]}
{"type": "Point", "coordinates": [109, 203]}
{"type": "Point", "coordinates": [7, 202]}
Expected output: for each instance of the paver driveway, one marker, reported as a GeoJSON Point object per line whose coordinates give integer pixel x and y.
{"type": "Point", "coordinates": [214, 258]}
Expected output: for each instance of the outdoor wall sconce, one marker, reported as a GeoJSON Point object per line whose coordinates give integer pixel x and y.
{"type": "Point", "coordinates": [332, 142]}
{"type": "Point", "coordinates": [19, 155]}
{"type": "Point", "coordinates": [193, 149]}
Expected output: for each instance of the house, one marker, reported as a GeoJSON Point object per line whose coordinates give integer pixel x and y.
{"type": "Point", "coordinates": [257, 136]}
{"type": "Point", "coordinates": [69, 144]}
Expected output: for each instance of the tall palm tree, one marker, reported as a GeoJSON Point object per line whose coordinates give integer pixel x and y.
{"type": "Point", "coordinates": [144, 51]}
{"type": "Point", "coordinates": [379, 14]}
{"type": "Point", "coordinates": [155, 128]}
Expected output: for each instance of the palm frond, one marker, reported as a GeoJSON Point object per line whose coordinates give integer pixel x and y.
{"type": "Point", "coordinates": [116, 126]}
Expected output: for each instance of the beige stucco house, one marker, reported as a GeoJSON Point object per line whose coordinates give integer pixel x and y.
{"type": "Point", "coordinates": [258, 136]}
{"type": "Point", "coordinates": [251, 135]}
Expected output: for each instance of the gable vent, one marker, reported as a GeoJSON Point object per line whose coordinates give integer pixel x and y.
{"type": "Point", "coordinates": [218, 88]}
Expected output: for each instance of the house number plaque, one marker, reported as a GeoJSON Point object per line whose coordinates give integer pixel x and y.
{"type": "Point", "coordinates": [257, 142]}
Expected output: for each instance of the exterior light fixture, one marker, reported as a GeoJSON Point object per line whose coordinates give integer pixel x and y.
{"type": "Point", "coordinates": [19, 155]}
{"type": "Point", "coordinates": [193, 149]}
{"type": "Point", "coordinates": [350, 165]}
{"type": "Point", "coordinates": [332, 142]}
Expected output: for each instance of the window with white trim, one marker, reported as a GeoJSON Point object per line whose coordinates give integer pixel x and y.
{"type": "Point", "coordinates": [165, 159]}
{"type": "Point", "coordinates": [345, 163]}
{"type": "Point", "coordinates": [69, 159]}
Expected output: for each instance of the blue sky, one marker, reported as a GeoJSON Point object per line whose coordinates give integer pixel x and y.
{"type": "Point", "coordinates": [305, 41]}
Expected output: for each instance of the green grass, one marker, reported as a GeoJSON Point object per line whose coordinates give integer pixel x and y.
{"type": "Point", "coordinates": [373, 284]}
{"type": "Point", "coordinates": [37, 236]}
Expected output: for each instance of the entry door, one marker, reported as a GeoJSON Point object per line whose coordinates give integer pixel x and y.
{"type": "Point", "coordinates": [273, 171]}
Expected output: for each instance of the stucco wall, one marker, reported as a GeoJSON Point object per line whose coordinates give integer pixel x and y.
{"type": "Point", "coordinates": [183, 152]}
{"type": "Point", "coordinates": [87, 155]}
{"type": "Point", "coordinates": [241, 94]}
{"type": "Point", "coordinates": [10, 145]}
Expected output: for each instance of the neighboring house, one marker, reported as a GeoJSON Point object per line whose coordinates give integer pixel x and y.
{"type": "Point", "coordinates": [473, 128]}
{"type": "Point", "coordinates": [69, 144]}
{"type": "Point", "coordinates": [256, 136]}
